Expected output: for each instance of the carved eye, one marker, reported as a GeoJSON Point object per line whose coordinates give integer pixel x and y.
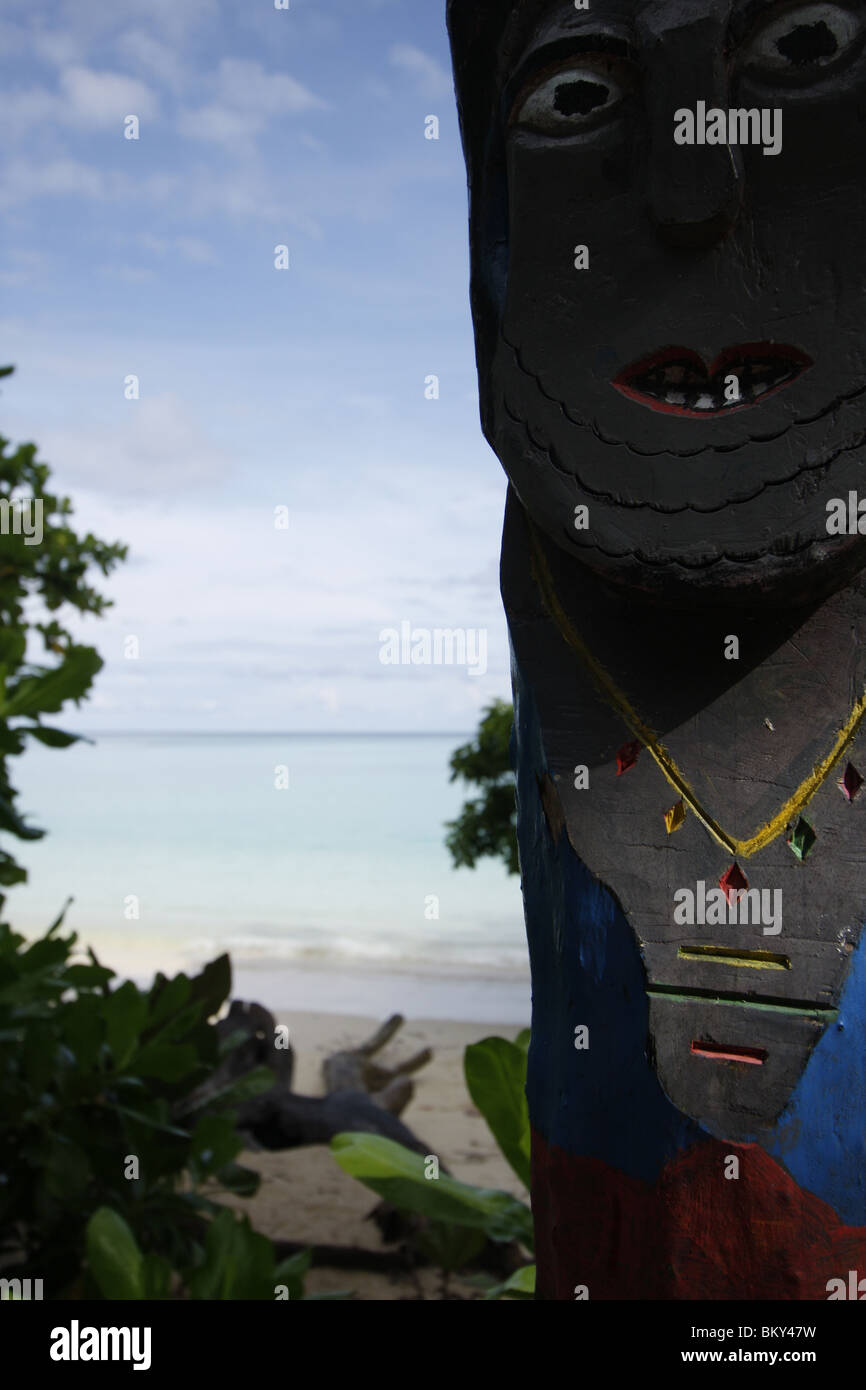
{"type": "Point", "coordinates": [574, 98]}
{"type": "Point", "coordinates": [804, 41]}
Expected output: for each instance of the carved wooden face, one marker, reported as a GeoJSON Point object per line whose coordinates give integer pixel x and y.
{"type": "Point", "coordinates": [700, 386]}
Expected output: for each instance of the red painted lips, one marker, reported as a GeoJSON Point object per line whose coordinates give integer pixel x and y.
{"type": "Point", "coordinates": [678, 381]}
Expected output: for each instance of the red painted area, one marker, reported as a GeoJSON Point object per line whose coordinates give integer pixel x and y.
{"type": "Point", "coordinates": [627, 382]}
{"type": "Point", "coordinates": [627, 757]}
{"type": "Point", "coordinates": [724, 1052]}
{"type": "Point", "coordinates": [695, 1235]}
{"type": "Point", "coordinates": [733, 882]}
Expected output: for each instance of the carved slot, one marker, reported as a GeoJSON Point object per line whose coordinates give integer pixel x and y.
{"type": "Point", "coordinates": [729, 955]}
{"type": "Point", "coordinates": [727, 1052]}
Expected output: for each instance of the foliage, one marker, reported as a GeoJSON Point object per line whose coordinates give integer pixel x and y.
{"type": "Point", "coordinates": [236, 1263]}
{"type": "Point", "coordinates": [398, 1175]}
{"type": "Point", "coordinates": [495, 1071]}
{"type": "Point", "coordinates": [486, 826]}
{"type": "Point", "coordinates": [93, 1077]}
{"type": "Point", "coordinates": [53, 573]}
{"type": "Point", "coordinates": [459, 1217]}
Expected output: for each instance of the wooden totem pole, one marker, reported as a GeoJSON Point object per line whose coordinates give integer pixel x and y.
{"type": "Point", "coordinates": [667, 212]}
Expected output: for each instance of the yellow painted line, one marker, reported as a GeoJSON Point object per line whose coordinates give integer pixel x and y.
{"type": "Point", "coordinates": [728, 955]}
{"type": "Point", "coordinates": [766, 833]}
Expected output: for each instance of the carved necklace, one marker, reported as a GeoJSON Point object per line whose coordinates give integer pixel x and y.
{"type": "Point", "coordinates": [789, 813]}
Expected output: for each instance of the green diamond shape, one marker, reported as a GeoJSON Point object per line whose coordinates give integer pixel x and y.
{"type": "Point", "coordinates": [802, 838]}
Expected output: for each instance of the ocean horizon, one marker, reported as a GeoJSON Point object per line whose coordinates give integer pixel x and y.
{"type": "Point", "coordinates": [317, 860]}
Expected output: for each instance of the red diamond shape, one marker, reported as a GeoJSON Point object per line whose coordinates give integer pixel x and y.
{"type": "Point", "coordinates": [850, 782]}
{"type": "Point", "coordinates": [732, 882]}
{"type": "Point", "coordinates": [627, 757]}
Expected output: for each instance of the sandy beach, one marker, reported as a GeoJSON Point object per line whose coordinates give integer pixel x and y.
{"type": "Point", "coordinates": [305, 1196]}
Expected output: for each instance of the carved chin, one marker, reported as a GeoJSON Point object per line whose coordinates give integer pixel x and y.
{"type": "Point", "coordinates": [748, 514]}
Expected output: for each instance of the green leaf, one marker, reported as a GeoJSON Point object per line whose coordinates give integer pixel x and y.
{"type": "Point", "coordinates": [292, 1272]}
{"type": "Point", "coordinates": [13, 645]}
{"type": "Point", "coordinates": [520, 1285]}
{"type": "Point", "coordinates": [88, 976]}
{"type": "Point", "coordinates": [150, 1123]}
{"type": "Point", "coordinates": [449, 1246]}
{"type": "Point", "coordinates": [397, 1174]}
{"type": "Point", "coordinates": [49, 691]}
{"type": "Point", "coordinates": [212, 986]}
{"type": "Point", "coordinates": [115, 1260]}
{"type": "Point", "coordinates": [215, 1142]}
{"type": "Point", "coordinates": [11, 821]}
{"type": "Point", "coordinates": [155, 1276]}
{"type": "Point", "coordinates": [125, 1012]}
{"type": "Point", "coordinates": [166, 1061]}
{"type": "Point", "coordinates": [243, 1182]}
{"type": "Point", "coordinates": [166, 998]}
{"type": "Point", "coordinates": [239, 1263]}
{"type": "Point", "coordinates": [496, 1078]}
{"type": "Point", "coordinates": [230, 1096]}
{"type": "Point", "coordinates": [55, 738]}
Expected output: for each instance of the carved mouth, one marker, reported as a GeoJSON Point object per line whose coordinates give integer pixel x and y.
{"type": "Point", "coordinates": [678, 381]}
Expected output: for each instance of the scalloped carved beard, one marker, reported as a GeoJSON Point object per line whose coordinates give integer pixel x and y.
{"type": "Point", "coordinates": [709, 523]}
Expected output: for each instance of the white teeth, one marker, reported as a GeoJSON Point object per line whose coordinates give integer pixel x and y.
{"type": "Point", "coordinates": [705, 403]}
{"type": "Point", "coordinates": [675, 397]}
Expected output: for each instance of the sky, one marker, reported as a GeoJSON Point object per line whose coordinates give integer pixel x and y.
{"type": "Point", "coordinates": [305, 389]}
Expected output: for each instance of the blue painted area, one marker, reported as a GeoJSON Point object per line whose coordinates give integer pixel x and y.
{"type": "Point", "coordinates": [586, 969]}
{"type": "Point", "coordinates": [821, 1137]}
{"type": "Point", "coordinates": [605, 1102]}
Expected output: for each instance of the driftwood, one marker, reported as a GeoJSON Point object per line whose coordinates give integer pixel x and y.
{"type": "Point", "coordinates": [354, 1070]}
{"type": "Point", "coordinates": [361, 1095]}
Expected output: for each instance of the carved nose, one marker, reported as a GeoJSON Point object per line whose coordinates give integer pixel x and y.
{"type": "Point", "coordinates": [694, 191]}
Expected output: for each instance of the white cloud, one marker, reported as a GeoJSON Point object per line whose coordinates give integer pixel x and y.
{"type": "Point", "coordinates": [86, 100]}
{"type": "Point", "coordinates": [434, 80]}
{"type": "Point", "coordinates": [246, 98]}
{"type": "Point", "coordinates": [218, 124]}
{"type": "Point", "coordinates": [142, 50]}
{"type": "Point", "coordinates": [244, 84]}
{"type": "Point", "coordinates": [191, 248]}
{"type": "Point", "coordinates": [100, 100]}
{"type": "Point", "coordinates": [26, 266]}
{"type": "Point", "coordinates": [151, 447]}
{"type": "Point", "coordinates": [23, 180]}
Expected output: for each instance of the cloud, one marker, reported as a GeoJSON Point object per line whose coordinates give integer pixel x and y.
{"type": "Point", "coordinates": [86, 100]}
{"type": "Point", "coordinates": [246, 99]}
{"type": "Point", "coordinates": [244, 84]}
{"type": "Point", "coordinates": [100, 100]}
{"type": "Point", "coordinates": [154, 446]}
{"type": "Point", "coordinates": [142, 50]}
{"type": "Point", "coordinates": [433, 79]}
{"type": "Point", "coordinates": [190, 248]}
{"type": "Point", "coordinates": [27, 266]}
{"type": "Point", "coordinates": [23, 180]}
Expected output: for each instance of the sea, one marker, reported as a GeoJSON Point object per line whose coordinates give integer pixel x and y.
{"type": "Point", "coordinates": [316, 861]}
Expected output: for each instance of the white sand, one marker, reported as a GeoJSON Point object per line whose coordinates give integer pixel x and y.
{"type": "Point", "coordinates": [305, 1196]}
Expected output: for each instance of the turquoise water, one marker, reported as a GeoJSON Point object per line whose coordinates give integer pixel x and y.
{"type": "Point", "coordinates": [314, 890]}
